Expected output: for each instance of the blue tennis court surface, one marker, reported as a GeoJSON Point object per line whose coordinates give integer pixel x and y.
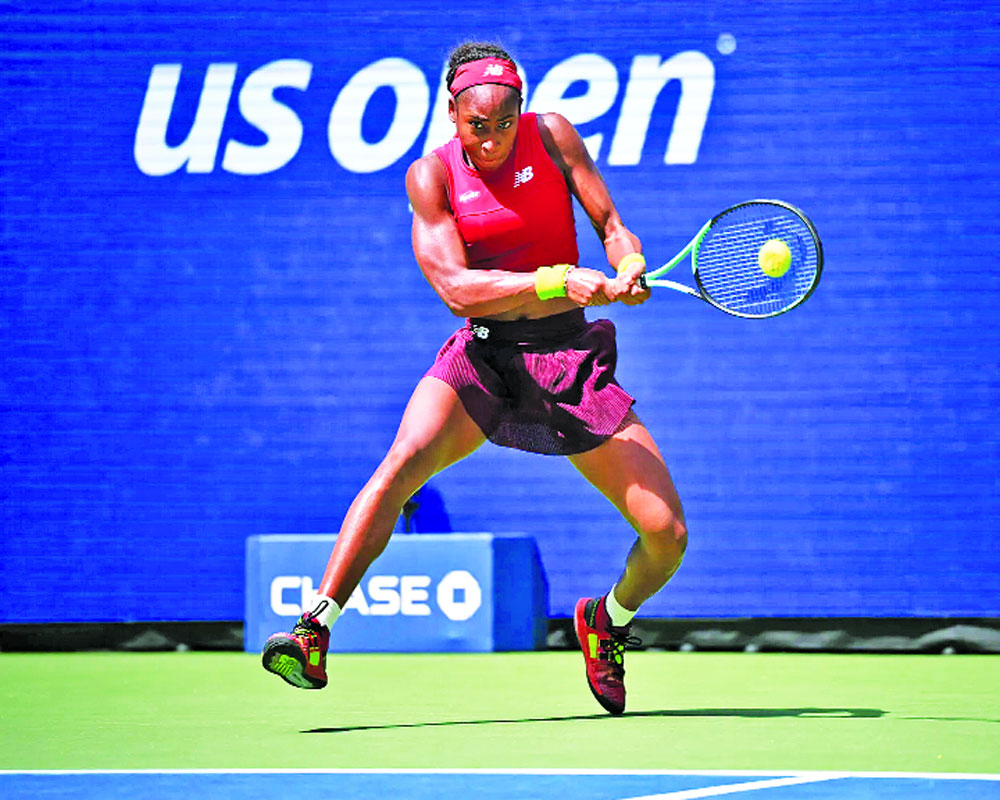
{"type": "Point", "coordinates": [505, 784]}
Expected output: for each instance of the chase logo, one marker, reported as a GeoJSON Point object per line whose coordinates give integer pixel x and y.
{"type": "Point", "coordinates": [458, 596]}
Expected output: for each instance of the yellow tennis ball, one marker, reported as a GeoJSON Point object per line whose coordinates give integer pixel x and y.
{"type": "Point", "coordinates": [774, 258]}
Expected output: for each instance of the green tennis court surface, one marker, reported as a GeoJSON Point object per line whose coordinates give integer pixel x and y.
{"type": "Point", "coordinates": [774, 714]}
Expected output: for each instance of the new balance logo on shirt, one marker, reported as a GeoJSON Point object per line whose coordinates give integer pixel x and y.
{"type": "Point", "coordinates": [520, 176]}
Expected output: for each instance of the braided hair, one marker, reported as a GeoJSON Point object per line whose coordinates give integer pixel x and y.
{"type": "Point", "coordinates": [472, 51]}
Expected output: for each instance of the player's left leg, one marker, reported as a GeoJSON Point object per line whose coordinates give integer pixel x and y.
{"type": "Point", "coordinates": [630, 471]}
{"type": "Point", "coordinates": [435, 432]}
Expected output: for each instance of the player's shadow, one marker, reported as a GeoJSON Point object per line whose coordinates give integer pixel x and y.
{"type": "Point", "coordinates": [824, 713]}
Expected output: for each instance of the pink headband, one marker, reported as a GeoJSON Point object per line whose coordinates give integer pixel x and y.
{"type": "Point", "coordinates": [485, 70]}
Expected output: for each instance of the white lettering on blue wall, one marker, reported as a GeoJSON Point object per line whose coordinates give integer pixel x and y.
{"type": "Point", "coordinates": [152, 153]}
{"type": "Point", "coordinates": [601, 79]}
{"type": "Point", "coordinates": [347, 145]}
{"type": "Point", "coordinates": [647, 79]}
{"type": "Point", "coordinates": [197, 153]}
{"type": "Point", "coordinates": [648, 76]}
{"type": "Point", "coordinates": [278, 122]}
{"type": "Point", "coordinates": [458, 596]}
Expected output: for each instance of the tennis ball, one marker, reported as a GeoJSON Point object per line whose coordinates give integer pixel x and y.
{"type": "Point", "coordinates": [774, 258]}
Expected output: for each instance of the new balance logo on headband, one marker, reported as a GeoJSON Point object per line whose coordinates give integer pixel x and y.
{"type": "Point", "coordinates": [493, 71]}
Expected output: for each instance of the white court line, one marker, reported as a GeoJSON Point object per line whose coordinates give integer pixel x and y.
{"type": "Point", "coordinates": [732, 788]}
{"type": "Point", "coordinates": [816, 775]}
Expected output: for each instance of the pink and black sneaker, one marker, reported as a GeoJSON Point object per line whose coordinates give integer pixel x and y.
{"type": "Point", "coordinates": [603, 648]}
{"type": "Point", "coordinates": [300, 656]}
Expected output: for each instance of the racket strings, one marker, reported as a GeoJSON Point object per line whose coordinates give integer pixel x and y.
{"type": "Point", "coordinates": [728, 270]}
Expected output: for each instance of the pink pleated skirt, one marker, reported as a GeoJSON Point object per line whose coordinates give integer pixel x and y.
{"type": "Point", "coordinates": [544, 385]}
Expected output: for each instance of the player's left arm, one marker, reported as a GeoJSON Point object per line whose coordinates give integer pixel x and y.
{"type": "Point", "coordinates": [569, 153]}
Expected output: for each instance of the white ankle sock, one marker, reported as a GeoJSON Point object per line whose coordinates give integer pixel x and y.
{"type": "Point", "coordinates": [618, 614]}
{"type": "Point", "coordinates": [326, 610]}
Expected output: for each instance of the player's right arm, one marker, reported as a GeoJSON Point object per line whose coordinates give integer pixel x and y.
{"type": "Point", "coordinates": [440, 252]}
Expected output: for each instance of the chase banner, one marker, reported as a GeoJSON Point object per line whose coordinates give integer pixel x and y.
{"type": "Point", "coordinates": [427, 592]}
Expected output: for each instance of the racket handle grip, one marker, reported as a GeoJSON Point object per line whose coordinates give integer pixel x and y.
{"type": "Point", "coordinates": [642, 282]}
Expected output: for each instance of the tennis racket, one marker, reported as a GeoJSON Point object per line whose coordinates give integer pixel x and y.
{"type": "Point", "coordinates": [755, 260]}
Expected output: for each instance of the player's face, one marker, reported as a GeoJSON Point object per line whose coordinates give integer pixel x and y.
{"type": "Point", "coordinates": [486, 118]}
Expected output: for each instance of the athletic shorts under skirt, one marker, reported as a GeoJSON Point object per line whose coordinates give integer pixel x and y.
{"type": "Point", "coordinates": [545, 385]}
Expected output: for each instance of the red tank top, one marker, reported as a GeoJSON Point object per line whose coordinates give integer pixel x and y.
{"type": "Point", "coordinates": [518, 218]}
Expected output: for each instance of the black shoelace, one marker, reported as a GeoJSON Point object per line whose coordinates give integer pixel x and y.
{"type": "Point", "coordinates": [613, 648]}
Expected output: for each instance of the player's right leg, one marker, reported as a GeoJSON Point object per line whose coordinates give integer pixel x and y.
{"type": "Point", "coordinates": [435, 432]}
{"type": "Point", "coordinates": [629, 470]}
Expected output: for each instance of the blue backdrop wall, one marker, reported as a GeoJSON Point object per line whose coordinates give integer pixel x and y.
{"type": "Point", "coordinates": [211, 319]}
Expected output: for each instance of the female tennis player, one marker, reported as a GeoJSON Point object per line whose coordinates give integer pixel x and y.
{"type": "Point", "coordinates": [493, 233]}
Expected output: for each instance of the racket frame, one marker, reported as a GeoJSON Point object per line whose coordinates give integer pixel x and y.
{"type": "Point", "coordinates": [654, 278]}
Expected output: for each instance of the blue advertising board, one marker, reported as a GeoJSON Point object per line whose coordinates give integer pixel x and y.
{"type": "Point", "coordinates": [457, 592]}
{"type": "Point", "coordinates": [211, 318]}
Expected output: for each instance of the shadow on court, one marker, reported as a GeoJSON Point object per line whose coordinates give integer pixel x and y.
{"type": "Point", "coordinates": [753, 713]}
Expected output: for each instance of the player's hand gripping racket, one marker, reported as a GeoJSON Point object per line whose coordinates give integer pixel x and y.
{"type": "Point", "coordinates": [757, 259]}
